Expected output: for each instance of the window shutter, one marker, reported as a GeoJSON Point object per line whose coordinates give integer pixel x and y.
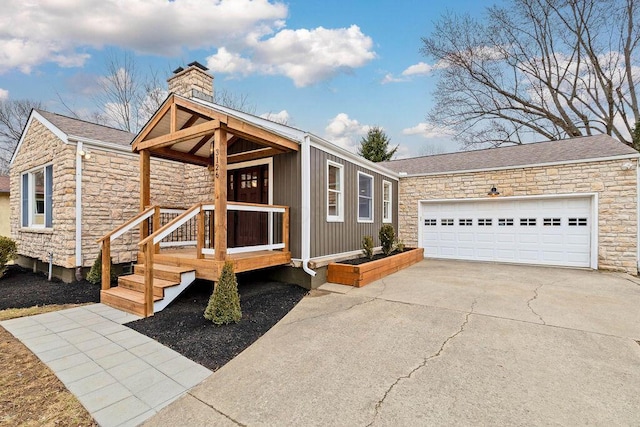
{"type": "Point", "coordinates": [25, 200]}
{"type": "Point", "coordinates": [48, 192]}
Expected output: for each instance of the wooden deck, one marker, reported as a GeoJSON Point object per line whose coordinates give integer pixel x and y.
{"type": "Point", "coordinates": [207, 267]}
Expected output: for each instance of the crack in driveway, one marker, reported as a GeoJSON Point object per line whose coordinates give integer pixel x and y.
{"type": "Point", "coordinates": [535, 296]}
{"type": "Point", "coordinates": [422, 364]}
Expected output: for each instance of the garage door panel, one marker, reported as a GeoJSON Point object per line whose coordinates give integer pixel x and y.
{"type": "Point", "coordinates": [553, 231]}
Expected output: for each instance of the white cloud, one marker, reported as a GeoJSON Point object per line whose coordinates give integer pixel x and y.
{"type": "Point", "coordinates": [305, 56]}
{"type": "Point", "coordinates": [428, 131]}
{"type": "Point", "coordinates": [4, 94]}
{"type": "Point", "coordinates": [389, 78]}
{"type": "Point", "coordinates": [420, 68]}
{"type": "Point", "coordinates": [281, 117]}
{"type": "Point", "coordinates": [59, 31]}
{"type": "Point", "coordinates": [345, 132]}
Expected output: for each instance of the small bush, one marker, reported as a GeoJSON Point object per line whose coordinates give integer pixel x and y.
{"type": "Point", "coordinates": [367, 246]}
{"type": "Point", "coordinates": [8, 252]}
{"type": "Point", "coordinates": [387, 237]}
{"type": "Point", "coordinates": [399, 245]}
{"type": "Point", "coordinates": [95, 274]}
{"type": "Point", "coordinates": [224, 304]}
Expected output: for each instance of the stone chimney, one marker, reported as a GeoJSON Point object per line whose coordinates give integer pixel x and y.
{"type": "Point", "coordinates": [192, 82]}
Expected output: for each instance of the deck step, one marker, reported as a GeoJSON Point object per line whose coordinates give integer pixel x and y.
{"type": "Point", "coordinates": [163, 271]}
{"type": "Point", "coordinates": [125, 299]}
{"type": "Point", "coordinates": [135, 282]}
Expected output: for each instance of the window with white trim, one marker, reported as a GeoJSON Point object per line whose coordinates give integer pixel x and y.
{"type": "Point", "coordinates": [335, 193]}
{"type": "Point", "coordinates": [387, 193]}
{"type": "Point", "coordinates": [365, 197]}
{"type": "Point", "coordinates": [35, 195]}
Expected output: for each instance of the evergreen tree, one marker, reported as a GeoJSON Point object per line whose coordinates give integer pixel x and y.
{"type": "Point", "coordinates": [95, 274]}
{"type": "Point", "coordinates": [375, 146]}
{"type": "Point", "coordinates": [224, 304]}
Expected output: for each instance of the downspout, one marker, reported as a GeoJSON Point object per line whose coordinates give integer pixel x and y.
{"type": "Point", "coordinates": [306, 205]}
{"type": "Point", "coordinates": [79, 152]}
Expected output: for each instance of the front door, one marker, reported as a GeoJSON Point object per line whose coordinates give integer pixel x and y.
{"type": "Point", "coordinates": [249, 185]}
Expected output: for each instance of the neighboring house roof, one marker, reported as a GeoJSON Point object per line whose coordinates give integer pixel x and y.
{"type": "Point", "coordinates": [70, 129]}
{"type": "Point", "coordinates": [4, 184]}
{"type": "Point", "coordinates": [88, 130]}
{"type": "Point", "coordinates": [563, 151]}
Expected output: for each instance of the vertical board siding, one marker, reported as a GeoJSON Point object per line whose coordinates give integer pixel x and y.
{"type": "Point", "coordinates": [287, 191]}
{"type": "Point", "coordinates": [243, 145]}
{"type": "Point", "coordinates": [335, 237]}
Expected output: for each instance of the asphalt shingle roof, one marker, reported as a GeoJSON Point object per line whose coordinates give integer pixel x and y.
{"type": "Point", "coordinates": [83, 129]}
{"type": "Point", "coordinates": [566, 150]}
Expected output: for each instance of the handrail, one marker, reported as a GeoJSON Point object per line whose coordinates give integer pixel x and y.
{"type": "Point", "coordinates": [172, 225]}
{"type": "Point", "coordinates": [119, 231]}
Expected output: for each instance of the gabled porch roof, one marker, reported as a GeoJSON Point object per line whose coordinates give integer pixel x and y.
{"type": "Point", "coordinates": [183, 130]}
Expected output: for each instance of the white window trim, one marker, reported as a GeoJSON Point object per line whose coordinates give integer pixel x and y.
{"type": "Point", "coordinates": [340, 216]}
{"type": "Point", "coordinates": [31, 202]}
{"type": "Point", "coordinates": [390, 218]}
{"type": "Point", "coordinates": [366, 220]}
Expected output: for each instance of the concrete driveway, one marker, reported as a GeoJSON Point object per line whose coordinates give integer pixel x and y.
{"type": "Point", "coordinates": [440, 343]}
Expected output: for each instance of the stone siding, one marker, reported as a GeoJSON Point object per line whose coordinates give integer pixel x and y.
{"type": "Point", "coordinates": [616, 188]}
{"type": "Point", "coordinates": [111, 196]}
{"type": "Point", "coordinates": [40, 147]}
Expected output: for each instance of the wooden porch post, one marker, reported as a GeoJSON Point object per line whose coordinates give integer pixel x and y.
{"type": "Point", "coordinates": [145, 189]}
{"type": "Point", "coordinates": [220, 192]}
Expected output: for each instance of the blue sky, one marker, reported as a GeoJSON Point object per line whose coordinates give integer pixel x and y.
{"type": "Point", "coordinates": [331, 67]}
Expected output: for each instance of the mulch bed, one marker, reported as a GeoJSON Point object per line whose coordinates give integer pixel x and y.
{"type": "Point", "coordinates": [21, 288]}
{"type": "Point", "coordinates": [182, 326]}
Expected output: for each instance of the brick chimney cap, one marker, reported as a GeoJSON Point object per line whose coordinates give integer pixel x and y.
{"type": "Point", "coordinates": [197, 64]}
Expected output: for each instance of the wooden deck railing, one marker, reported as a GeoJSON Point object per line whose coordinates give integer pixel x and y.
{"type": "Point", "coordinates": [151, 243]}
{"type": "Point", "coordinates": [106, 240]}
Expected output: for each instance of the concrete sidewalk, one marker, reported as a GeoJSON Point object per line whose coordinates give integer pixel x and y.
{"type": "Point", "coordinates": [119, 375]}
{"type": "Point", "coordinates": [440, 343]}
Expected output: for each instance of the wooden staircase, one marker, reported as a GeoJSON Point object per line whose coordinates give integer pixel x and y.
{"type": "Point", "coordinates": [168, 282]}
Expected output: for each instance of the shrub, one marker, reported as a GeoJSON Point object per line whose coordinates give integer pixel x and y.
{"type": "Point", "coordinates": [399, 245]}
{"type": "Point", "coordinates": [8, 251]}
{"type": "Point", "coordinates": [95, 274]}
{"type": "Point", "coordinates": [387, 237]}
{"type": "Point", "coordinates": [224, 304]}
{"type": "Point", "coordinates": [367, 246]}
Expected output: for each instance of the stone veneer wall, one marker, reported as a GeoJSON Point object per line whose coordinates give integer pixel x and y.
{"type": "Point", "coordinates": [616, 188]}
{"type": "Point", "coordinates": [111, 196]}
{"type": "Point", "coordinates": [40, 147]}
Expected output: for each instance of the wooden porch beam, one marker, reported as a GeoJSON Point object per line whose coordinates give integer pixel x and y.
{"type": "Point", "coordinates": [220, 192]}
{"type": "Point", "coordinates": [200, 143]}
{"type": "Point", "coordinates": [167, 153]}
{"type": "Point", "coordinates": [252, 155]}
{"type": "Point", "coordinates": [152, 124]}
{"type": "Point", "coordinates": [260, 136]}
{"type": "Point", "coordinates": [145, 189]}
{"type": "Point", "coordinates": [180, 136]}
{"type": "Point", "coordinates": [194, 118]}
{"type": "Point", "coordinates": [200, 109]}
{"type": "Point", "coordinates": [173, 124]}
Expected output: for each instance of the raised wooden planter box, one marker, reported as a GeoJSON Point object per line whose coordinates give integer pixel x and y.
{"type": "Point", "coordinates": [363, 274]}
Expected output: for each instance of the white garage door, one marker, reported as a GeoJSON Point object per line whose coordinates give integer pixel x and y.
{"type": "Point", "coordinates": [554, 231]}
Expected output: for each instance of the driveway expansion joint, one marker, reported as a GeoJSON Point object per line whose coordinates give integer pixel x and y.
{"type": "Point", "coordinates": [236, 422]}
{"type": "Point", "coordinates": [422, 364]}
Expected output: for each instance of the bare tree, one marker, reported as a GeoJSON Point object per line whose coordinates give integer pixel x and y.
{"type": "Point", "coordinates": [13, 118]}
{"type": "Point", "coordinates": [538, 68]}
{"type": "Point", "coordinates": [236, 101]}
{"type": "Point", "coordinates": [127, 97]}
